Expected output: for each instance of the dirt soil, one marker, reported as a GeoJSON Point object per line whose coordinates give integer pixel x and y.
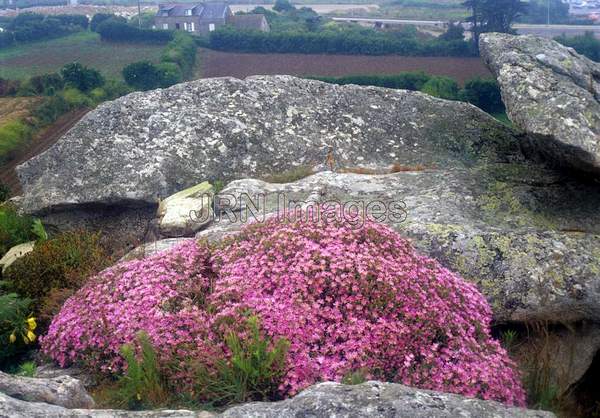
{"type": "Point", "coordinates": [241, 65]}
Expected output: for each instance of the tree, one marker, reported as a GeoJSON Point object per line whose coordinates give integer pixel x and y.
{"type": "Point", "coordinates": [101, 17]}
{"type": "Point", "coordinates": [283, 6]}
{"type": "Point", "coordinates": [81, 77]}
{"type": "Point", "coordinates": [493, 15]}
{"type": "Point", "coordinates": [455, 32]}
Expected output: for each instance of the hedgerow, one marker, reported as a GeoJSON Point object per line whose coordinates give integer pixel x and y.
{"type": "Point", "coordinates": [346, 300]}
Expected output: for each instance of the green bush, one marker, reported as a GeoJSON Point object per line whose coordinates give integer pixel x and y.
{"type": "Point", "coordinates": [586, 44]}
{"type": "Point", "coordinates": [182, 52]}
{"type": "Point", "coordinates": [75, 98]}
{"type": "Point", "coordinates": [323, 41]}
{"type": "Point", "coordinates": [483, 93]}
{"type": "Point", "coordinates": [406, 81]}
{"type": "Point", "coordinates": [81, 77]}
{"type": "Point", "coordinates": [98, 18]}
{"type": "Point", "coordinates": [142, 386]}
{"type": "Point", "coordinates": [13, 134]}
{"type": "Point", "coordinates": [51, 109]}
{"type": "Point", "coordinates": [4, 192]}
{"type": "Point", "coordinates": [442, 87]}
{"type": "Point", "coordinates": [62, 263]}
{"type": "Point", "coordinates": [17, 330]}
{"type": "Point", "coordinates": [15, 229]}
{"type": "Point", "coordinates": [116, 31]}
{"type": "Point", "coordinates": [252, 373]}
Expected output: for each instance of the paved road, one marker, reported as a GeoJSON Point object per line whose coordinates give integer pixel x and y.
{"type": "Point", "coordinates": [548, 31]}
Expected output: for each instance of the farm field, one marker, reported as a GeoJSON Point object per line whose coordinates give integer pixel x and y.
{"type": "Point", "coordinates": [23, 61]}
{"type": "Point", "coordinates": [240, 65]}
{"type": "Point", "coordinates": [14, 108]}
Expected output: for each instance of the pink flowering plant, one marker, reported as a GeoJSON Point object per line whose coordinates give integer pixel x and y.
{"type": "Point", "coordinates": [344, 299]}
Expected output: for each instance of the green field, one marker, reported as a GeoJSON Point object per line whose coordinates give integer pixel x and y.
{"type": "Point", "coordinates": [27, 60]}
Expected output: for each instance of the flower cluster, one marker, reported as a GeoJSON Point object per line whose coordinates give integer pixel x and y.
{"type": "Point", "coordinates": [346, 299]}
{"type": "Point", "coordinates": [160, 295]}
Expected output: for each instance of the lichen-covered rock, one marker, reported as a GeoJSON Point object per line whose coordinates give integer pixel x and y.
{"type": "Point", "coordinates": [62, 391]}
{"type": "Point", "coordinates": [12, 407]}
{"type": "Point", "coordinates": [371, 399]}
{"type": "Point", "coordinates": [527, 236]}
{"type": "Point", "coordinates": [186, 211]}
{"type": "Point", "coordinates": [378, 400]}
{"type": "Point", "coordinates": [149, 145]}
{"type": "Point", "coordinates": [552, 92]}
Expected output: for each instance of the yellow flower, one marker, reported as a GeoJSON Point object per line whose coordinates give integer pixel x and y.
{"type": "Point", "coordinates": [25, 339]}
{"type": "Point", "coordinates": [31, 323]}
{"type": "Point", "coordinates": [12, 338]}
{"type": "Point", "coordinates": [31, 336]}
{"type": "Point", "coordinates": [139, 397]}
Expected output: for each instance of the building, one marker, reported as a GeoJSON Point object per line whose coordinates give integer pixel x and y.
{"type": "Point", "coordinates": [192, 17]}
{"type": "Point", "coordinates": [205, 17]}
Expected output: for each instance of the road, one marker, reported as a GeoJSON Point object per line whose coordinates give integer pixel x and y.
{"type": "Point", "coordinates": [548, 31]}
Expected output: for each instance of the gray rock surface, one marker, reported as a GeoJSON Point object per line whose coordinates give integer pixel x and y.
{"type": "Point", "coordinates": [63, 391]}
{"type": "Point", "coordinates": [149, 145]}
{"type": "Point", "coordinates": [551, 92]}
{"type": "Point", "coordinates": [378, 400]}
{"type": "Point", "coordinates": [371, 399]}
{"type": "Point", "coordinates": [527, 236]}
{"type": "Point", "coordinates": [12, 408]}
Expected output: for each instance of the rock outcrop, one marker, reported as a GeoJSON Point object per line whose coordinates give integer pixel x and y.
{"type": "Point", "coordinates": [378, 400]}
{"type": "Point", "coordinates": [371, 399]}
{"type": "Point", "coordinates": [63, 391]}
{"type": "Point", "coordinates": [551, 92]}
{"type": "Point", "coordinates": [149, 145]}
{"type": "Point", "coordinates": [509, 228]}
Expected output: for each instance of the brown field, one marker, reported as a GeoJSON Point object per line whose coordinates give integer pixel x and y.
{"type": "Point", "coordinates": [239, 65]}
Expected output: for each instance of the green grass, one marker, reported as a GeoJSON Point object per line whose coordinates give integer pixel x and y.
{"type": "Point", "coordinates": [26, 60]}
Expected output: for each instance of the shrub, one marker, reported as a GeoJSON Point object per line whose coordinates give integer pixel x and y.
{"type": "Point", "coordinates": [101, 17]}
{"type": "Point", "coordinates": [142, 386]}
{"type": "Point", "coordinates": [483, 93]}
{"type": "Point", "coordinates": [161, 295]}
{"type": "Point", "coordinates": [406, 81]}
{"type": "Point", "coordinates": [442, 87]}
{"type": "Point", "coordinates": [81, 77]}
{"type": "Point", "coordinates": [15, 229]}
{"type": "Point", "coordinates": [47, 84]}
{"type": "Point", "coordinates": [8, 87]}
{"type": "Point", "coordinates": [4, 192]}
{"type": "Point", "coordinates": [73, 97]}
{"type": "Point", "coordinates": [12, 135]}
{"type": "Point", "coordinates": [346, 297]}
{"type": "Point", "coordinates": [64, 262]}
{"type": "Point", "coordinates": [116, 31]}
{"type": "Point", "coordinates": [252, 373]}
{"type": "Point", "coordinates": [16, 327]}
{"type": "Point", "coordinates": [586, 44]}
{"type": "Point", "coordinates": [182, 52]}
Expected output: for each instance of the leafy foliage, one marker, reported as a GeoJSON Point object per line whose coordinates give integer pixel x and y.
{"type": "Point", "coordinates": [4, 192]}
{"type": "Point", "coordinates": [64, 262]}
{"type": "Point", "coordinates": [81, 77]}
{"type": "Point", "coordinates": [493, 15]}
{"type": "Point", "coordinates": [115, 30]}
{"type": "Point", "coordinates": [15, 330]}
{"type": "Point", "coordinates": [142, 386]}
{"type": "Point", "coordinates": [586, 44]}
{"type": "Point", "coordinates": [28, 27]}
{"type": "Point", "coordinates": [253, 372]}
{"type": "Point", "coordinates": [15, 229]}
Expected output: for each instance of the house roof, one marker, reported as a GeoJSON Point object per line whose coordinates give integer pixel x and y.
{"type": "Point", "coordinates": [250, 21]}
{"type": "Point", "coordinates": [212, 10]}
